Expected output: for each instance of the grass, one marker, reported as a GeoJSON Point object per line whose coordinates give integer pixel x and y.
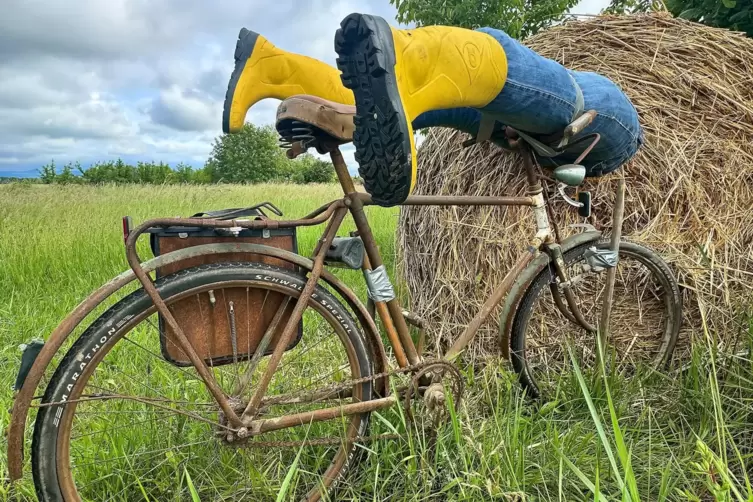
{"type": "Point", "coordinates": [686, 435]}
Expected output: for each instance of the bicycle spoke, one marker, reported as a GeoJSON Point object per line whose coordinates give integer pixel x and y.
{"type": "Point", "coordinates": [245, 380]}
{"type": "Point", "coordinates": [161, 358]}
{"type": "Point", "coordinates": [304, 351]}
{"type": "Point", "coordinates": [162, 450]}
{"type": "Point", "coordinates": [322, 378]}
{"type": "Point", "coordinates": [638, 309]}
{"type": "Point", "coordinates": [132, 422]}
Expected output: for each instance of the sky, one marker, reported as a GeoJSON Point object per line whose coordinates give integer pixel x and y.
{"type": "Point", "coordinates": [90, 80]}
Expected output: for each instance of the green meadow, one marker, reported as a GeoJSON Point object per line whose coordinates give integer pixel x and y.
{"type": "Point", "coordinates": [684, 435]}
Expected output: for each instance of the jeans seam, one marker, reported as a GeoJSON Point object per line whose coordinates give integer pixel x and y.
{"type": "Point", "coordinates": [540, 91]}
{"type": "Point", "coordinates": [627, 129]}
{"type": "Point", "coordinates": [619, 160]}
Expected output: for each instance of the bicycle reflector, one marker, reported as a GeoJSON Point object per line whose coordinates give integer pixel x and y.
{"type": "Point", "coordinates": [126, 227]}
{"type": "Point", "coordinates": [585, 199]}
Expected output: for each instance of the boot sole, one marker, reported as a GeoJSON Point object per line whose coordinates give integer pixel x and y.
{"type": "Point", "coordinates": [382, 133]}
{"type": "Point", "coordinates": [243, 49]}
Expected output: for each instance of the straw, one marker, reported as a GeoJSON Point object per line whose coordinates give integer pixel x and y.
{"type": "Point", "coordinates": [689, 192]}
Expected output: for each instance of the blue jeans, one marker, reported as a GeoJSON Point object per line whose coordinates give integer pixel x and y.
{"type": "Point", "coordinates": [539, 97]}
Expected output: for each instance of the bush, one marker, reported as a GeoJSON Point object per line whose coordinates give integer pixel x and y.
{"type": "Point", "coordinates": [731, 14]}
{"type": "Point", "coordinates": [251, 156]}
{"type": "Point", "coordinates": [47, 173]}
{"type": "Point", "coordinates": [118, 171]}
{"type": "Point", "coordinates": [309, 169]}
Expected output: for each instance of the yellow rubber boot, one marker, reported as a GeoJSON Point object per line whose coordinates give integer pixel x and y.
{"type": "Point", "coordinates": [398, 74]}
{"type": "Point", "coordinates": [265, 71]}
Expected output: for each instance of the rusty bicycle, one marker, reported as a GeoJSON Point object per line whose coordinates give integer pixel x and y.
{"type": "Point", "coordinates": [254, 370]}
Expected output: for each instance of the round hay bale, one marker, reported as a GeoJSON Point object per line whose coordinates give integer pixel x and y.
{"type": "Point", "coordinates": [689, 190]}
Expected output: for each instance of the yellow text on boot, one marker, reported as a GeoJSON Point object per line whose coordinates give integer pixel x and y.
{"type": "Point", "coordinates": [271, 72]}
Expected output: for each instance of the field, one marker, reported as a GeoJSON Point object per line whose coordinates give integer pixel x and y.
{"type": "Point", "coordinates": [686, 435]}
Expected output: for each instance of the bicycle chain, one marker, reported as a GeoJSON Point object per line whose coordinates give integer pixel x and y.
{"type": "Point", "coordinates": [250, 443]}
{"type": "Point", "coordinates": [336, 387]}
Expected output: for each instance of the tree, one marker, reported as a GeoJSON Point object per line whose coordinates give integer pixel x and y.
{"type": "Point", "coordinates": [151, 173]}
{"type": "Point", "coordinates": [66, 176]}
{"type": "Point", "coordinates": [309, 169]}
{"type": "Point", "coordinates": [632, 6]}
{"type": "Point", "coordinates": [250, 156]}
{"type": "Point", "coordinates": [47, 173]}
{"type": "Point", "coordinates": [732, 14]}
{"type": "Point", "coordinates": [182, 173]}
{"type": "Point", "coordinates": [518, 18]}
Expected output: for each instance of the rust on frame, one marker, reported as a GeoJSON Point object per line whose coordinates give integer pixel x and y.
{"type": "Point", "coordinates": [295, 317]}
{"type": "Point", "coordinates": [23, 399]}
{"type": "Point", "coordinates": [272, 424]}
{"type": "Point", "coordinates": [333, 211]}
{"type": "Point", "coordinates": [496, 296]}
{"type": "Point", "coordinates": [457, 200]}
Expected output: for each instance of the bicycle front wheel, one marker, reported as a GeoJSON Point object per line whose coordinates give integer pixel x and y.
{"type": "Point", "coordinates": [646, 317]}
{"type": "Point", "coordinates": [120, 422]}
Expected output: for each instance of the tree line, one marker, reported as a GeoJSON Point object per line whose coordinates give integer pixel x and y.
{"type": "Point", "coordinates": [251, 156]}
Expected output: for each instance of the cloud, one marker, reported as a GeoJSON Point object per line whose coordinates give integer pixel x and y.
{"type": "Point", "coordinates": [590, 6]}
{"type": "Point", "coordinates": [185, 110]}
{"type": "Point", "coordinates": [27, 90]}
{"type": "Point", "coordinates": [91, 79]}
{"type": "Point", "coordinates": [86, 79]}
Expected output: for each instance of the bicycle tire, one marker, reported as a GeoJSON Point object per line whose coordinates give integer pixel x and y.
{"type": "Point", "coordinates": [47, 436]}
{"type": "Point", "coordinates": [652, 261]}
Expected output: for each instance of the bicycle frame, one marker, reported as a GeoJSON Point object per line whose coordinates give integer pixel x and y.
{"type": "Point", "coordinates": [389, 310]}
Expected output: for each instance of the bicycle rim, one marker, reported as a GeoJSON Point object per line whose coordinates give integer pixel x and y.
{"type": "Point", "coordinates": [117, 447]}
{"type": "Point", "coordinates": [643, 329]}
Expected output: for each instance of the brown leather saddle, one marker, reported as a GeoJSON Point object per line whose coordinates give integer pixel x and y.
{"type": "Point", "coordinates": [305, 121]}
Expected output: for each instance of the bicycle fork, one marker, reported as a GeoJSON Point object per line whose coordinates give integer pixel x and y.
{"type": "Point", "coordinates": [545, 240]}
{"type": "Point", "coordinates": [568, 307]}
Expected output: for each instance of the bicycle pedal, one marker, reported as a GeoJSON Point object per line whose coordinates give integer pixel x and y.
{"type": "Point", "coordinates": [585, 199]}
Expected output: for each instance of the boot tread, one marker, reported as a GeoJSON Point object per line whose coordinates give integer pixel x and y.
{"type": "Point", "coordinates": [381, 137]}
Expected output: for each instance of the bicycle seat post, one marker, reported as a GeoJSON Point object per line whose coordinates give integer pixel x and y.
{"type": "Point", "coordinates": [517, 143]}
{"type": "Point", "coordinates": [341, 169]}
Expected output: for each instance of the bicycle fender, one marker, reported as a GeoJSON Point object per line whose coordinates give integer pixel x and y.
{"type": "Point", "coordinates": [524, 280]}
{"type": "Point", "coordinates": [22, 400]}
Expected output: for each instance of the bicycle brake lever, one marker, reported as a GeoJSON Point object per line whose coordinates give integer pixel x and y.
{"type": "Point", "coordinates": [561, 188]}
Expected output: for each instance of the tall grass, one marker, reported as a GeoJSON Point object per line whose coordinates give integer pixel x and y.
{"type": "Point", "coordinates": [686, 435]}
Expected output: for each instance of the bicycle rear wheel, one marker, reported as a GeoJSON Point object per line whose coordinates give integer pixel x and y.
{"type": "Point", "coordinates": [119, 422]}
{"type": "Point", "coordinates": [646, 318]}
